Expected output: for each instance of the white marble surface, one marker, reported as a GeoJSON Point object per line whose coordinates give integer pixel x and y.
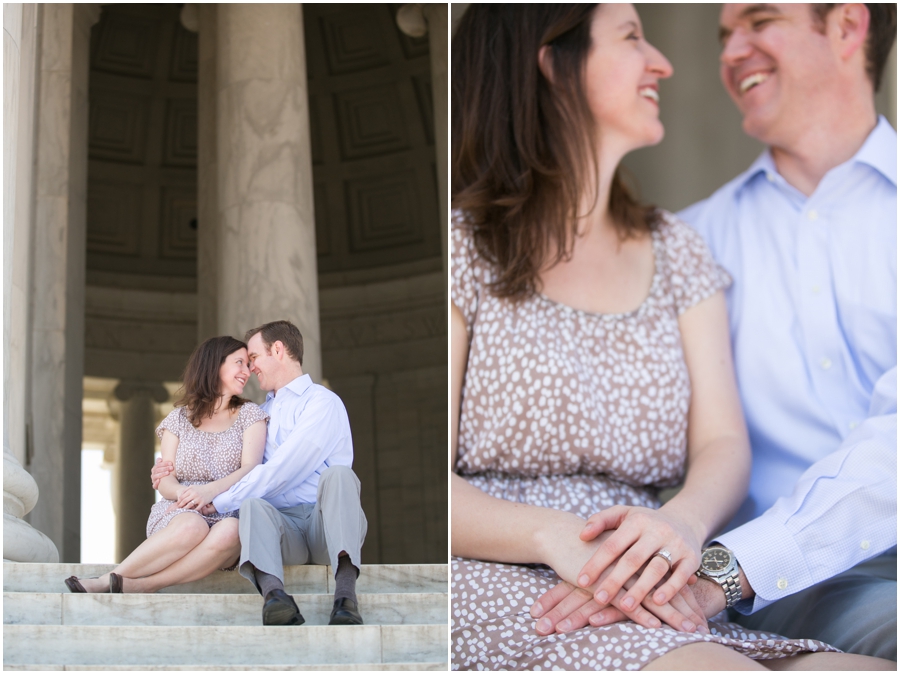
{"type": "Point", "coordinates": [53, 608]}
{"type": "Point", "coordinates": [266, 261]}
{"type": "Point", "coordinates": [348, 667]}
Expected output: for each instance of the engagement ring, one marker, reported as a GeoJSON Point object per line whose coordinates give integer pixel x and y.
{"type": "Point", "coordinates": [666, 555]}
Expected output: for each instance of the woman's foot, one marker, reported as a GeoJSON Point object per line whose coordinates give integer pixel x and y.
{"type": "Point", "coordinates": [88, 585]}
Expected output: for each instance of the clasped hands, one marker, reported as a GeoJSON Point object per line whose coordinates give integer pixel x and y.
{"type": "Point", "coordinates": [192, 497]}
{"type": "Point", "coordinates": [623, 571]}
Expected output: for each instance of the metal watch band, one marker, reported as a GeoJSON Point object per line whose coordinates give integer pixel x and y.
{"type": "Point", "coordinates": [732, 586]}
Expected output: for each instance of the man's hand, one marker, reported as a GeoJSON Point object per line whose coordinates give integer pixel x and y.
{"type": "Point", "coordinates": [160, 470]}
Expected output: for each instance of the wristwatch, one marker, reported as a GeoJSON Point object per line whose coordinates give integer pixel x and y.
{"type": "Point", "coordinates": [719, 565]}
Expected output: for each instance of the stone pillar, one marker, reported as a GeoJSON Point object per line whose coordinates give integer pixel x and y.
{"type": "Point", "coordinates": [21, 543]}
{"type": "Point", "coordinates": [133, 496]}
{"type": "Point", "coordinates": [57, 337]}
{"type": "Point", "coordinates": [417, 19]}
{"type": "Point", "coordinates": [266, 242]}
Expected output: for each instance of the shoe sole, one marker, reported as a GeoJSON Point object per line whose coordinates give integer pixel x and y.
{"type": "Point", "coordinates": [282, 615]}
{"type": "Point", "coordinates": [345, 620]}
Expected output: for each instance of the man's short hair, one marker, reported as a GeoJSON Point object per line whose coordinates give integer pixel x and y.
{"type": "Point", "coordinates": [280, 331]}
{"type": "Point", "coordinates": [882, 33]}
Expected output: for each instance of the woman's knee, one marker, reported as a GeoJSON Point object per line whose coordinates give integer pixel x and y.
{"type": "Point", "coordinates": [190, 526]}
{"type": "Point", "coordinates": [702, 656]}
{"type": "Point", "coordinates": [224, 535]}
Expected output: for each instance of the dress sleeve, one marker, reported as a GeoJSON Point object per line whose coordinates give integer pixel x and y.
{"type": "Point", "coordinates": [174, 423]}
{"type": "Point", "coordinates": [693, 273]}
{"type": "Point", "coordinates": [250, 414]}
{"type": "Point", "coordinates": [467, 271]}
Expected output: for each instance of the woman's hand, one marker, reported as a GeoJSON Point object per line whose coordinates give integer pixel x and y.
{"type": "Point", "coordinates": [566, 608]}
{"type": "Point", "coordinates": [640, 534]}
{"type": "Point", "coordinates": [195, 497]}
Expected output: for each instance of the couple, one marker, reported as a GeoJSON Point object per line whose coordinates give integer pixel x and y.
{"type": "Point", "coordinates": [256, 487]}
{"type": "Point", "coordinates": [591, 352]}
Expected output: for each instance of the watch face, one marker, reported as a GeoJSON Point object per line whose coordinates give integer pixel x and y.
{"type": "Point", "coordinates": [715, 559]}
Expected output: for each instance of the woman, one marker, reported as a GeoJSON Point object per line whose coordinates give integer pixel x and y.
{"type": "Point", "coordinates": [590, 356]}
{"type": "Point", "coordinates": [214, 437]}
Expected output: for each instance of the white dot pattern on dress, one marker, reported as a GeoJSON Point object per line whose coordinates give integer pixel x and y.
{"type": "Point", "coordinates": [576, 411]}
{"type": "Point", "coordinates": [202, 457]}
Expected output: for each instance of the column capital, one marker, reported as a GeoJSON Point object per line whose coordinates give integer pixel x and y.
{"type": "Point", "coordinates": [190, 17]}
{"type": "Point", "coordinates": [129, 388]}
{"type": "Point", "coordinates": [411, 19]}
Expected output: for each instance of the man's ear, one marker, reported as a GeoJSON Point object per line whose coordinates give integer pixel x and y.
{"type": "Point", "coordinates": [277, 349]}
{"type": "Point", "coordinates": [545, 62]}
{"type": "Point", "coordinates": [849, 27]}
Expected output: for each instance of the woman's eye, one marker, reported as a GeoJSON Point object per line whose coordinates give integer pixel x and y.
{"type": "Point", "coordinates": [634, 36]}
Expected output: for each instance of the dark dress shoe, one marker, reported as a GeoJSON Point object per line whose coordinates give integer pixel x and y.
{"type": "Point", "coordinates": [280, 609]}
{"type": "Point", "coordinates": [345, 612]}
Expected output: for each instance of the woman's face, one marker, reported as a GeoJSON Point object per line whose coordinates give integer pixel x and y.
{"type": "Point", "coordinates": [622, 74]}
{"type": "Point", "coordinates": [234, 373]}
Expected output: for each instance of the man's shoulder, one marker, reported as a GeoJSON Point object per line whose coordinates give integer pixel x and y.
{"type": "Point", "coordinates": [702, 214]}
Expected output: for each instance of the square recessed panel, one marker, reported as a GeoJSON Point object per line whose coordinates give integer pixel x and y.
{"type": "Point", "coordinates": [354, 40]}
{"type": "Point", "coordinates": [113, 217]}
{"type": "Point", "coordinates": [117, 126]}
{"type": "Point", "coordinates": [185, 56]}
{"type": "Point", "coordinates": [178, 233]}
{"type": "Point", "coordinates": [371, 121]}
{"type": "Point", "coordinates": [384, 211]}
{"type": "Point", "coordinates": [126, 45]}
{"type": "Point", "coordinates": [180, 145]}
{"type": "Point", "coordinates": [422, 86]}
{"type": "Point", "coordinates": [323, 230]}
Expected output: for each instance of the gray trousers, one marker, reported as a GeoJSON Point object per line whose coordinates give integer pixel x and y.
{"type": "Point", "coordinates": [310, 533]}
{"type": "Point", "coordinates": [855, 611]}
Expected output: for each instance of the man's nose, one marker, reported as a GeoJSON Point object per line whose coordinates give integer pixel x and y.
{"type": "Point", "coordinates": [735, 48]}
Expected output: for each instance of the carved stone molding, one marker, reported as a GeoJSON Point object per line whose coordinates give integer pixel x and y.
{"type": "Point", "coordinates": [22, 542]}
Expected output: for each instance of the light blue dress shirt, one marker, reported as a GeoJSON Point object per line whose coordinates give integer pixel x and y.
{"type": "Point", "coordinates": [308, 432]}
{"type": "Point", "coordinates": [813, 315]}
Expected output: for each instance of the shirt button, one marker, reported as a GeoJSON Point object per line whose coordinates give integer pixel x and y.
{"type": "Point", "coordinates": [825, 363]}
{"type": "Point", "coordinates": [770, 176]}
{"type": "Point", "coordinates": [816, 290]}
{"type": "Point", "coordinates": [813, 215]}
{"type": "Point", "coordinates": [782, 583]}
{"type": "Point", "coordinates": [853, 424]}
{"type": "Point", "coordinates": [864, 545]}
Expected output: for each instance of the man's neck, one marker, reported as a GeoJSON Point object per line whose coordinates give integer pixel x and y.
{"type": "Point", "coordinates": [805, 160]}
{"type": "Point", "coordinates": [291, 375]}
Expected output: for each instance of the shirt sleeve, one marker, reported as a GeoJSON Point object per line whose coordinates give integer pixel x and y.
{"type": "Point", "coordinates": [842, 511]}
{"type": "Point", "coordinates": [466, 271]}
{"type": "Point", "coordinates": [172, 423]}
{"type": "Point", "coordinates": [693, 274]}
{"type": "Point", "coordinates": [321, 428]}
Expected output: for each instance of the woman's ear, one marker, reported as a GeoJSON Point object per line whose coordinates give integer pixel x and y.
{"type": "Point", "coordinates": [545, 62]}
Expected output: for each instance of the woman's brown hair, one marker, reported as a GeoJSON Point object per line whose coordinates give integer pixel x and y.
{"type": "Point", "coordinates": [522, 146]}
{"type": "Point", "coordinates": [201, 378]}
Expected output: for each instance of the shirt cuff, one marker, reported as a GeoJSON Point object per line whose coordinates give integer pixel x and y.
{"type": "Point", "coordinates": [223, 503]}
{"type": "Point", "coordinates": [771, 560]}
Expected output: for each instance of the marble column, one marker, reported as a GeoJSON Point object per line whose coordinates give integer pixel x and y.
{"type": "Point", "coordinates": [417, 19]}
{"type": "Point", "coordinates": [57, 334]}
{"type": "Point", "coordinates": [134, 403]}
{"type": "Point", "coordinates": [266, 243]}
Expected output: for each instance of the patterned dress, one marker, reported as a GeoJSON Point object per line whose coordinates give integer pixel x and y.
{"type": "Point", "coordinates": [577, 411]}
{"type": "Point", "coordinates": [202, 457]}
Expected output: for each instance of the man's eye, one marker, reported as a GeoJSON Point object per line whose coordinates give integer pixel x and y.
{"type": "Point", "coordinates": [761, 23]}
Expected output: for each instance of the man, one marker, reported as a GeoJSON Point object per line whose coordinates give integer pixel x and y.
{"type": "Point", "coordinates": [301, 505]}
{"type": "Point", "coordinates": [808, 234]}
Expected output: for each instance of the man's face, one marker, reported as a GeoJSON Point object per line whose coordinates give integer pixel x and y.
{"type": "Point", "coordinates": [776, 66]}
{"type": "Point", "coordinates": [262, 363]}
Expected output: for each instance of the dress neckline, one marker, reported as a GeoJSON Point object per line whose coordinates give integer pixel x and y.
{"type": "Point", "coordinates": [199, 430]}
{"type": "Point", "coordinates": [641, 308]}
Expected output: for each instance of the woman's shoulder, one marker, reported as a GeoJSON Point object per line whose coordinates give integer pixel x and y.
{"type": "Point", "coordinates": [174, 422]}
{"type": "Point", "coordinates": [250, 413]}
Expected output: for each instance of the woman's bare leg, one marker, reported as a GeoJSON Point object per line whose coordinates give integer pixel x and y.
{"type": "Point", "coordinates": [219, 549]}
{"type": "Point", "coordinates": [162, 549]}
{"type": "Point", "coordinates": [831, 662]}
{"type": "Point", "coordinates": [704, 657]}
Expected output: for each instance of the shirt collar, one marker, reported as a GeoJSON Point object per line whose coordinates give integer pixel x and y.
{"type": "Point", "coordinates": [878, 151]}
{"type": "Point", "coordinates": [296, 386]}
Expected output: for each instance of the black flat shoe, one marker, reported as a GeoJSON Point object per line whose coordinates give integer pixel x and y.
{"type": "Point", "coordinates": [280, 609]}
{"type": "Point", "coordinates": [116, 584]}
{"type": "Point", "coordinates": [345, 612]}
{"type": "Point", "coordinates": [75, 585]}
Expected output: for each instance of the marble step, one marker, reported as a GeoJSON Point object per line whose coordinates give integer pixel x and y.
{"type": "Point", "coordinates": [307, 579]}
{"type": "Point", "coordinates": [254, 647]}
{"type": "Point", "coordinates": [54, 608]}
{"type": "Point", "coordinates": [351, 667]}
